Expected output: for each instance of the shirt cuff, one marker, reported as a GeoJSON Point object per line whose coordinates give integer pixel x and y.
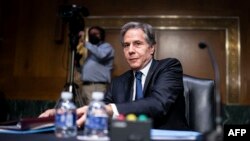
{"type": "Point", "coordinates": [115, 111]}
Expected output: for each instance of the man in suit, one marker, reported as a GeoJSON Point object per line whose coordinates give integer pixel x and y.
{"type": "Point", "coordinates": [162, 86]}
{"type": "Point", "coordinates": [159, 91]}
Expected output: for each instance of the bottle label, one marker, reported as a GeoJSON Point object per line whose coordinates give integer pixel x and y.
{"type": "Point", "coordinates": [65, 119]}
{"type": "Point", "coordinates": [94, 122]}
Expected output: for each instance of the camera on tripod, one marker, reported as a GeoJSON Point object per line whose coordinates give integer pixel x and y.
{"type": "Point", "coordinates": [74, 14]}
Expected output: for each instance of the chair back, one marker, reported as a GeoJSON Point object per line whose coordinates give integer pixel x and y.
{"type": "Point", "coordinates": [199, 97]}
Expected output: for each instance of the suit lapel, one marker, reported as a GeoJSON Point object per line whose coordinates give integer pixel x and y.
{"type": "Point", "coordinates": [129, 86]}
{"type": "Point", "coordinates": [150, 74]}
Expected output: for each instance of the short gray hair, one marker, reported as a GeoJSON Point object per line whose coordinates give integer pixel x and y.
{"type": "Point", "coordinates": [146, 28]}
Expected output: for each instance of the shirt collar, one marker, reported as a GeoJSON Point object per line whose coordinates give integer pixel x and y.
{"type": "Point", "coordinates": [146, 68]}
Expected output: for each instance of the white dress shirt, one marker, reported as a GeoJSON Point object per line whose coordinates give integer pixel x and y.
{"type": "Point", "coordinates": [144, 75]}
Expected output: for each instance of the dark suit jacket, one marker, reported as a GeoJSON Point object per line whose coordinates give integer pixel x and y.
{"type": "Point", "coordinates": [163, 95]}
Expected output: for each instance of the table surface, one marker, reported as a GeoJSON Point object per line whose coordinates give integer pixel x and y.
{"type": "Point", "coordinates": [46, 137]}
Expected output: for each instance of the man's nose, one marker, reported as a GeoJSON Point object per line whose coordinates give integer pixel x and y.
{"type": "Point", "coordinates": [131, 48]}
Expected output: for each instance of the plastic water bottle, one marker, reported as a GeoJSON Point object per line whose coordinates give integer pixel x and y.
{"type": "Point", "coordinates": [65, 118]}
{"type": "Point", "coordinates": [96, 125]}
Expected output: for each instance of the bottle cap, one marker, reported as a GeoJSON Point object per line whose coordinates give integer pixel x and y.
{"type": "Point", "coordinates": [98, 95]}
{"type": "Point", "coordinates": [66, 95]}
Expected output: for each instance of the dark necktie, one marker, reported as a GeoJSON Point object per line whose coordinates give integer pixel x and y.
{"type": "Point", "coordinates": [139, 94]}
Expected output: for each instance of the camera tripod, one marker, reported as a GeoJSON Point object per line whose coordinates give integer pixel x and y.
{"type": "Point", "coordinates": [71, 86]}
{"type": "Point", "coordinates": [73, 15]}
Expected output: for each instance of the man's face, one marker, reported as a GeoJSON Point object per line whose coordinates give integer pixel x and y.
{"type": "Point", "coordinates": [136, 50]}
{"type": "Point", "coordinates": [95, 32]}
{"type": "Point", "coordinates": [94, 36]}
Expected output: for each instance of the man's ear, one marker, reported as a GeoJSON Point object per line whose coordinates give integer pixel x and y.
{"type": "Point", "coordinates": [152, 49]}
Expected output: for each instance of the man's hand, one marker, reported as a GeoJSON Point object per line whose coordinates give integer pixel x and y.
{"type": "Point", "coordinates": [48, 113]}
{"type": "Point", "coordinates": [81, 113]}
{"type": "Point", "coordinates": [109, 110]}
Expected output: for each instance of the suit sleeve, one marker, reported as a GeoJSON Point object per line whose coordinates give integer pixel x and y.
{"type": "Point", "coordinates": [162, 92]}
{"type": "Point", "coordinates": [108, 96]}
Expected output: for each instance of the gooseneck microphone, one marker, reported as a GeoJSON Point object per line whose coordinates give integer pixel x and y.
{"type": "Point", "coordinates": [216, 135]}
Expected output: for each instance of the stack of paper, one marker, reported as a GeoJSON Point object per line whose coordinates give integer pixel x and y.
{"type": "Point", "coordinates": [157, 134]}
{"type": "Point", "coordinates": [28, 125]}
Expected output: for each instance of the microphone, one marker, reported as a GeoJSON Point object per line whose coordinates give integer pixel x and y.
{"type": "Point", "coordinates": [202, 45]}
{"type": "Point", "coordinates": [214, 136]}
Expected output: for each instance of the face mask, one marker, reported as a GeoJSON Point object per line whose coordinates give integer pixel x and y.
{"type": "Point", "coordinates": [93, 39]}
